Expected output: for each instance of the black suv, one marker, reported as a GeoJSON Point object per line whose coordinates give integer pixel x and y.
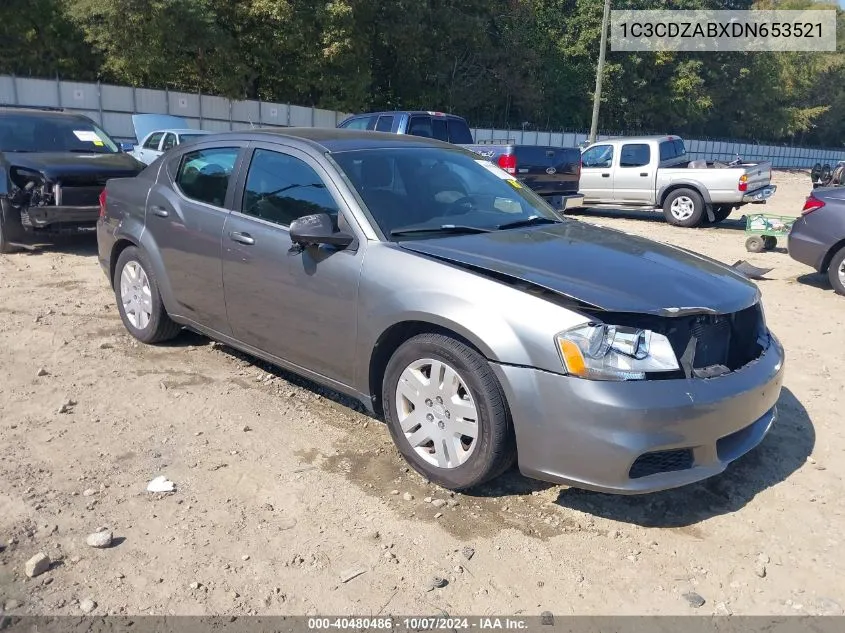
{"type": "Point", "coordinates": [53, 167]}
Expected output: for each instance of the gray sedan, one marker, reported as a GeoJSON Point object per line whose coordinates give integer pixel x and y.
{"type": "Point", "coordinates": [446, 296]}
{"type": "Point", "coordinates": [817, 238]}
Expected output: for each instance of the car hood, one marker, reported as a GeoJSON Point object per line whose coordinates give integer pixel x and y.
{"type": "Point", "coordinates": [57, 165]}
{"type": "Point", "coordinates": [599, 268]}
{"type": "Point", "coordinates": [146, 123]}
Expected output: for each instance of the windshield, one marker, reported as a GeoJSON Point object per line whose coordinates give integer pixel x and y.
{"type": "Point", "coordinates": [52, 133]}
{"type": "Point", "coordinates": [408, 190]}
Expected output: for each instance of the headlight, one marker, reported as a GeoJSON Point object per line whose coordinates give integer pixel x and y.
{"type": "Point", "coordinates": [610, 352]}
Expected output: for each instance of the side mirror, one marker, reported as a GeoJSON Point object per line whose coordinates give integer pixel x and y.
{"type": "Point", "coordinates": [310, 230]}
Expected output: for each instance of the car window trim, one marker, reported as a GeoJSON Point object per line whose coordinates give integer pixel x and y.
{"type": "Point", "coordinates": [340, 200]}
{"type": "Point", "coordinates": [177, 161]}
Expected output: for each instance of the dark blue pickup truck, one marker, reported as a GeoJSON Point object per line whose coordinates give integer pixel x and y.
{"type": "Point", "coordinates": [552, 172]}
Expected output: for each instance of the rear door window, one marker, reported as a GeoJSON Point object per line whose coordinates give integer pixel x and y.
{"type": "Point", "coordinates": [385, 123]}
{"type": "Point", "coordinates": [205, 174]}
{"type": "Point", "coordinates": [420, 125]}
{"type": "Point", "coordinates": [634, 155]}
{"type": "Point", "coordinates": [459, 132]}
{"type": "Point", "coordinates": [672, 149]}
{"type": "Point", "coordinates": [169, 141]}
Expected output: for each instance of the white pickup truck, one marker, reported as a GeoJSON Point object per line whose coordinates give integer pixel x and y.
{"type": "Point", "coordinates": [654, 172]}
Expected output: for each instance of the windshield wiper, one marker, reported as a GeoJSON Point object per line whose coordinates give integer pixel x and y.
{"type": "Point", "coordinates": [443, 228]}
{"type": "Point", "coordinates": [529, 221]}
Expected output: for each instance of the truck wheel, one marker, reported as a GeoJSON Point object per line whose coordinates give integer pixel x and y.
{"type": "Point", "coordinates": [836, 272]}
{"type": "Point", "coordinates": [684, 207]}
{"type": "Point", "coordinates": [446, 412]}
{"type": "Point", "coordinates": [11, 229]}
{"type": "Point", "coordinates": [138, 300]}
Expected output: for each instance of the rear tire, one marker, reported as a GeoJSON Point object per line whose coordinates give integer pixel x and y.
{"type": "Point", "coordinates": [836, 272]}
{"type": "Point", "coordinates": [138, 300]}
{"type": "Point", "coordinates": [428, 432]}
{"type": "Point", "coordinates": [684, 207]}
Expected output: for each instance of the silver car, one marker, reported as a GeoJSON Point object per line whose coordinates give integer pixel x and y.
{"type": "Point", "coordinates": [446, 296]}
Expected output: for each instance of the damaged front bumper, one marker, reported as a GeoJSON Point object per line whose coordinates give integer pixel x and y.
{"type": "Point", "coordinates": [36, 204]}
{"type": "Point", "coordinates": [639, 436]}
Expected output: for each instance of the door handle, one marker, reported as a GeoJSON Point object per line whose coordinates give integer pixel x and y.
{"type": "Point", "coordinates": [159, 211]}
{"type": "Point", "coordinates": [605, 175]}
{"type": "Point", "coordinates": [644, 174]}
{"type": "Point", "coordinates": [243, 238]}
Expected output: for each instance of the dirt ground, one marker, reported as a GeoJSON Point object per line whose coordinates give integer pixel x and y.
{"type": "Point", "coordinates": [284, 490]}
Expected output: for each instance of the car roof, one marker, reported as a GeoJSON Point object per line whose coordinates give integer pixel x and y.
{"type": "Point", "coordinates": [625, 139]}
{"type": "Point", "coordinates": [38, 112]}
{"type": "Point", "coordinates": [332, 139]}
{"type": "Point", "coordinates": [185, 130]}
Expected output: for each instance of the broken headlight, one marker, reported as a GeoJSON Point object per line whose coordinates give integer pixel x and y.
{"type": "Point", "coordinates": [611, 352]}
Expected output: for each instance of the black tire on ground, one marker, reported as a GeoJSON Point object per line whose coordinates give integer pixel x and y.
{"type": "Point", "coordinates": [721, 212]}
{"type": "Point", "coordinates": [681, 195]}
{"type": "Point", "coordinates": [495, 450]}
{"type": "Point", "coordinates": [11, 229]}
{"type": "Point", "coordinates": [160, 327]}
{"type": "Point", "coordinates": [770, 242]}
{"type": "Point", "coordinates": [836, 271]}
{"type": "Point", "coordinates": [755, 244]}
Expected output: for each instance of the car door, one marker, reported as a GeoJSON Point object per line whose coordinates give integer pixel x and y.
{"type": "Point", "coordinates": [186, 212]}
{"type": "Point", "coordinates": [299, 306]}
{"type": "Point", "coordinates": [633, 179]}
{"type": "Point", "coordinates": [597, 173]}
{"type": "Point", "coordinates": [148, 152]}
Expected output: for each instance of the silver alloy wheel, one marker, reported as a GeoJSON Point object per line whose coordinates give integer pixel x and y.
{"type": "Point", "coordinates": [437, 413]}
{"type": "Point", "coordinates": [841, 272]}
{"type": "Point", "coordinates": [682, 208]}
{"type": "Point", "coordinates": [136, 295]}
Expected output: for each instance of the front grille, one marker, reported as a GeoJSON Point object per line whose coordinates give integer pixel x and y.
{"type": "Point", "coordinates": [661, 462]}
{"type": "Point", "coordinates": [87, 196]}
{"type": "Point", "coordinates": [713, 338]}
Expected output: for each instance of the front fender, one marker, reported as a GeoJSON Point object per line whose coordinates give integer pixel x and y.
{"type": "Point", "coordinates": [505, 323]}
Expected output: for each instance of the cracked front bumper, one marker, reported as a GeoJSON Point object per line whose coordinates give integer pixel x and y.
{"type": "Point", "coordinates": [591, 434]}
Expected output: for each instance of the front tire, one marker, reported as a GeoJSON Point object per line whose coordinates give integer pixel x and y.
{"type": "Point", "coordinates": [10, 228]}
{"type": "Point", "coordinates": [138, 300]}
{"type": "Point", "coordinates": [836, 272]}
{"type": "Point", "coordinates": [447, 413]}
{"type": "Point", "coordinates": [684, 207]}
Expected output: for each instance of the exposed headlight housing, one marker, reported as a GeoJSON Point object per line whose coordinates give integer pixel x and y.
{"type": "Point", "coordinates": [610, 352]}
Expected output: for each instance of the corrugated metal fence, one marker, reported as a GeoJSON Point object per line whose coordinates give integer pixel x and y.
{"type": "Point", "coordinates": [113, 106]}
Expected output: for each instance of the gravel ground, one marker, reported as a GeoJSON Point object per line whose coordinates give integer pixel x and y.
{"type": "Point", "coordinates": [290, 500]}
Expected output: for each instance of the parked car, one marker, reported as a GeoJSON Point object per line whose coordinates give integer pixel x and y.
{"type": "Point", "coordinates": [53, 166]}
{"type": "Point", "coordinates": [444, 294]}
{"type": "Point", "coordinates": [817, 238]}
{"type": "Point", "coordinates": [655, 172]}
{"type": "Point", "coordinates": [158, 133]}
{"type": "Point", "coordinates": [552, 172]}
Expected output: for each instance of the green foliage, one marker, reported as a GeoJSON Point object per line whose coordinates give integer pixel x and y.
{"type": "Point", "coordinates": [498, 62]}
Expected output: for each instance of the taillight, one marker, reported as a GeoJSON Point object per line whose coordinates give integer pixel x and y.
{"type": "Point", "coordinates": [508, 163]}
{"type": "Point", "coordinates": [103, 203]}
{"type": "Point", "coordinates": [743, 182]}
{"type": "Point", "coordinates": [811, 205]}
{"type": "Point", "coordinates": [580, 167]}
